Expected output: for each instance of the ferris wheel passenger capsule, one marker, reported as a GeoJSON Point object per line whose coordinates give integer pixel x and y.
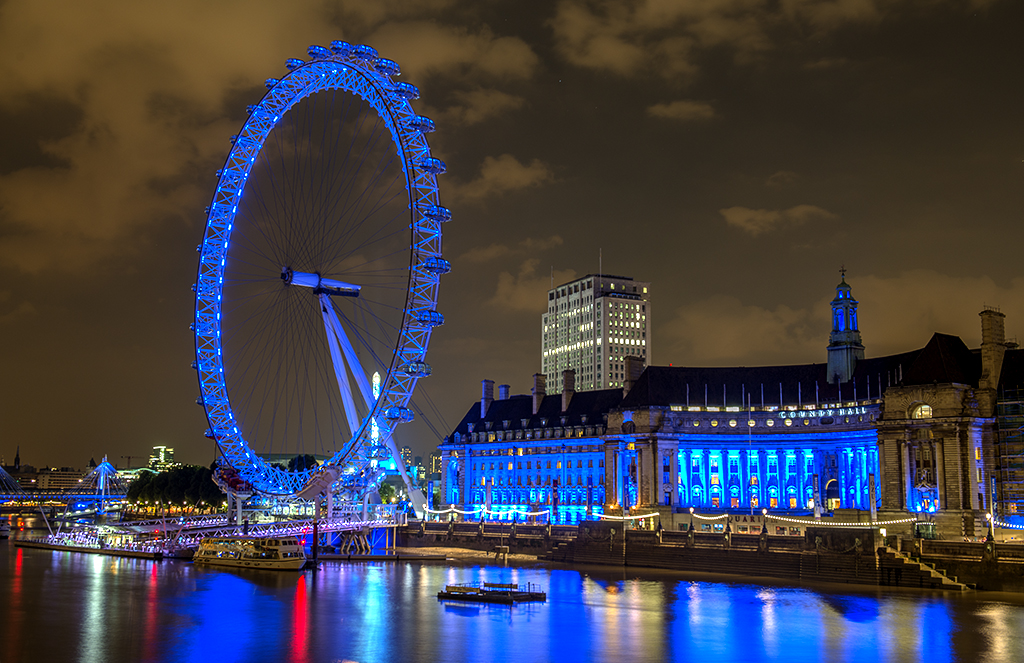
{"type": "Point", "coordinates": [342, 48]}
{"type": "Point", "coordinates": [430, 318]}
{"type": "Point", "coordinates": [420, 123]}
{"type": "Point", "coordinates": [399, 414]}
{"type": "Point", "coordinates": [407, 90]}
{"type": "Point", "coordinates": [387, 67]}
{"type": "Point", "coordinates": [438, 213]}
{"type": "Point", "coordinates": [433, 166]}
{"type": "Point", "coordinates": [437, 265]}
{"type": "Point", "coordinates": [364, 52]}
{"type": "Point", "coordinates": [293, 63]}
{"type": "Point", "coordinates": [271, 82]}
{"type": "Point", "coordinates": [417, 369]}
{"type": "Point", "coordinates": [318, 52]}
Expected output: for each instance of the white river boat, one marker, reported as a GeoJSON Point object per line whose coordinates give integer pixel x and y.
{"type": "Point", "coordinates": [283, 553]}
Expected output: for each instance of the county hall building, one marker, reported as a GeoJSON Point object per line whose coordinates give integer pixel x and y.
{"type": "Point", "coordinates": [934, 431]}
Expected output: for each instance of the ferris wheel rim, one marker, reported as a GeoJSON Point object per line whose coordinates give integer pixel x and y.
{"type": "Point", "coordinates": [358, 71]}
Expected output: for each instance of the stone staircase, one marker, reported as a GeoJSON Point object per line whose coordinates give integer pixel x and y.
{"type": "Point", "coordinates": [898, 569]}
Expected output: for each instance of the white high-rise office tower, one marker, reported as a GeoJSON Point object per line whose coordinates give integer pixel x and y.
{"type": "Point", "coordinates": [592, 324]}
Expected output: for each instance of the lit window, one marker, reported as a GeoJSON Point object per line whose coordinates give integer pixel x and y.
{"type": "Point", "coordinates": [922, 411]}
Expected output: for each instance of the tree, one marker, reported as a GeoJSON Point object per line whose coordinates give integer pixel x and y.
{"type": "Point", "coordinates": [301, 462]}
{"type": "Point", "coordinates": [387, 492]}
{"type": "Point", "coordinates": [187, 484]}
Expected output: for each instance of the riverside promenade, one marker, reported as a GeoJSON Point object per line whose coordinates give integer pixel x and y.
{"type": "Point", "coordinates": [851, 555]}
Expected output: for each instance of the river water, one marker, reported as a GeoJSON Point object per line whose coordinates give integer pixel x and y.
{"type": "Point", "coordinates": [58, 606]}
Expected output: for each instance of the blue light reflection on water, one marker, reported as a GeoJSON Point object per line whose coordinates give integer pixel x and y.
{"type": "Point", "coordinates": [106, 609]}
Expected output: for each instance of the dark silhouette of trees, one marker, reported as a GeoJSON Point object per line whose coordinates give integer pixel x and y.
{"type": "Point", "coordinates": [301, 462]}
{"type": "Point", "coordinates": [188, 484]}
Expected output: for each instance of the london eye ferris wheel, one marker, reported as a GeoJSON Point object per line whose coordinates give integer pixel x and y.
{"type": "Point", "coordinates": [318, 276]}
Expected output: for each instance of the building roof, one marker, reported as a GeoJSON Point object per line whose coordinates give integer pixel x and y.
{"type": "Point", "coordinates": [586, 408]}
{"type": "Point", "coordinates": [944, 359]}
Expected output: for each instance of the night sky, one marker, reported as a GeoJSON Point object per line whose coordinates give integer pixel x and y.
{"type": "Point", "coordinates": [734, 153]}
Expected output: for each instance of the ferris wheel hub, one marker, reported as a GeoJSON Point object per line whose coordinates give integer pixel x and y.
{"type": "Point", "coordinates": [319, 284]}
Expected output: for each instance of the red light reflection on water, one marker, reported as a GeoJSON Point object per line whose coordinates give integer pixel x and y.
{"type": "Point", "coordinates": [300, 643]}
{"type": "Point", "coordinates": [14, 609]}
{"type": "Point", "coordinates": [150, 640]}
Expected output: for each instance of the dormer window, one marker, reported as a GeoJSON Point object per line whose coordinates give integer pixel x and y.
{"type": "Point", "coordinates": [921, 411]}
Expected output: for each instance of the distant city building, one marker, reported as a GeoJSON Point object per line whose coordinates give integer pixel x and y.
{"type": "Point", "coordinates": [162, 458]}
{"type": "Point", "coordinates": [435, 462]}
{"type": "Point", "coordinates": [591, 325]}
{"type": "Point", "coordinates": [62, 478]}
{"type": "Point", "coordinates": [406, 456]}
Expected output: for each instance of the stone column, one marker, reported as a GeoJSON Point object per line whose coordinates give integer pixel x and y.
{"type": "Point", "coordinates": [801, 477]}
{"type": "Point", "coordinates": [908, 479]}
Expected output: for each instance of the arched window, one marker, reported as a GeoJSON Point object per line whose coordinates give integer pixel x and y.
{"type": "Point", "coordinates": [921, 411]}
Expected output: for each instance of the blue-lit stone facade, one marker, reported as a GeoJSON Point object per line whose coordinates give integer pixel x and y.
{"type": "Point", "coordinates": [583, 454]}
{"type": "Point", "coordinates": [563, 476]}
{"type": "Point", "coordinates": [721, 458]}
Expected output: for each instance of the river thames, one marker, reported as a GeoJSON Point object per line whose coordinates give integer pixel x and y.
{"type": "Point", "coordinates": [60, 606]}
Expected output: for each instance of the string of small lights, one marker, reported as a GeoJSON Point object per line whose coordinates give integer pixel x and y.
{"type": "Point", "coordinates": [825, 523]}
{"type": "Point", "coordinates": [488, 511]}
{"type": "Point", "coordinates": [1000, 523]}
{"type": "Point", "coordinates": [646, 515]}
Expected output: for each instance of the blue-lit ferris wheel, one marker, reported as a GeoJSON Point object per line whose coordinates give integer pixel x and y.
{"type": "Point", "coordinates": [318, 275]}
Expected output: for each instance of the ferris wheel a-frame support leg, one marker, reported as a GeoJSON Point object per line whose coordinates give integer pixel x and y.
{"type": "Point", "coordinates": [339, 344]}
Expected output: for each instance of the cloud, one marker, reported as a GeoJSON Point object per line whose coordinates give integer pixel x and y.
{"type": "Point", "coordinates": [527, 246]}
{"type": "Point", "coordinates": [781, 178]}
{"type": "Point", "coordinates": [673, 36]}
{"type": "Point", "coordinates": [11, 312]}
{"type": "Point", "coordinates": [827, 63]}
{"type": "Point", "coordinates": [526, 290]}
{"type": "Point", "coordinates": [429, 48]}
{"type": "Point", "coordinates": [500, 175]}
{"type": "Point", "coordinates": [682, 110]}
{"type": "Point", "coordinates": [156, 90]}
{"type": "Point", "coordinates": [897, 313]}
{"type": "Point", "coordinates": [622, 37]}
{"type": "Point", "coordinates": [757, 221]}
{"type": "Point", "coordinates": [475, 106]}
{"type": "Point", "coordinates": [722, 331]}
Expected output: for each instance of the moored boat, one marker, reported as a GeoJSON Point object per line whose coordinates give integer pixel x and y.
{"type": "Point", "coordinates": [284, 553]}
{"type": "Point", "coordinates": [5, 527]}
{"type": "Point", "coordinates": [490, 592]}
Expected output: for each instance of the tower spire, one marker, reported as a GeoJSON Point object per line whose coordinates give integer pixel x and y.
{"type": "Point", "coordinates": [844, 343]}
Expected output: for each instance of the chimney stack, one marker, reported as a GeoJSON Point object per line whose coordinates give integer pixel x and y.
{"type": "Point", "coordinates": [568, 387]}
{"type": "Point", "coordinates": [993, 347]}
{"type": "Point", "coordinates": [539, 390]}
{"type": "Point", "coordinates": [486, 397]}
{"type": "Point", "coordinates": [633, 367]}
{"type": "Point", "coordinates": [503, 392]}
